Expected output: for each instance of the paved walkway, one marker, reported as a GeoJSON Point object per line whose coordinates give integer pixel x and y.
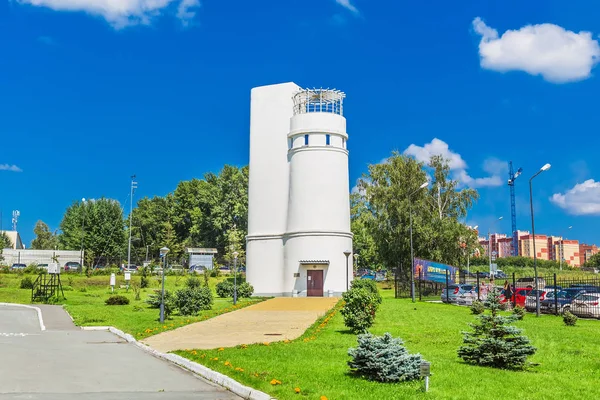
{"type": "Point", "coordinates": [270, 321]}
{"type": "Point", "coordinates": [64, 362]}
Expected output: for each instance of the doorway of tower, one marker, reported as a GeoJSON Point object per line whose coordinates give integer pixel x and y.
{"type": "Point", "coordinates": [314, 283]}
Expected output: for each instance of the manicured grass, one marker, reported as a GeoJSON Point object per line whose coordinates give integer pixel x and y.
{"type": "Point", "coordinates": [85, 302]}
{"type": "Point", "coordinates": [316, 362]}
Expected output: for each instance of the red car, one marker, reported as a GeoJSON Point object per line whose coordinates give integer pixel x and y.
{"type": "Point", "coordinates": [519, 296]}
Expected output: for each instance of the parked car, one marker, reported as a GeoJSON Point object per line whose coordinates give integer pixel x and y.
{"type": "Point", "coordinates": [561, 300]}
{"type": "Point", "coordinates": [530, 300]}
{"type": "Point", "coordinates": [199, 269]}
{"type": "Point", "coordinates": [18, 266]}
{"type": "Point", "coordinates": [518, 297]}
{"type": "Point", "coordinates": [129, 268]}
{"type": "Point", "coordinates": [456, 292]}
{"type": "Point", "coordinates": [530, 283]}
{"type": "Point", "coordinates": [500, 275]}
{"type": "Point", "coordinates": [586, 305]}
{"type": "Point", "coordinates": [43, 266]}
{"type": "Point", "coordinates": [72, 266]}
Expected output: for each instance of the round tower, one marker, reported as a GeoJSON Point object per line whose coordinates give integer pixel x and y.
{"type": "Point", "coordinates": [318, 221]}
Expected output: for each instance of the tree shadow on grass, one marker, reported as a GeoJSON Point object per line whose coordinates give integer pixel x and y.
{"type": "Point", "coordinates": [345, 332]}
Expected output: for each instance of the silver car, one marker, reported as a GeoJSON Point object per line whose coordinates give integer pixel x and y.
{"type": "Point", "coordinates": [462, 294]}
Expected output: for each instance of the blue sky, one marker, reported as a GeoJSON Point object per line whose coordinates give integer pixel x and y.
{"type": "Point", "coordinates": [93, 91]}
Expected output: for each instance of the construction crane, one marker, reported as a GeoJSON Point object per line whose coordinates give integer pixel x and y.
{"type": "Point", "coordinates": [512, 175]}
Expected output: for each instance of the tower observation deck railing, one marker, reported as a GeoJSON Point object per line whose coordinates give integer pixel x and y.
{"type": "Point", "coordinates": [319, 100]}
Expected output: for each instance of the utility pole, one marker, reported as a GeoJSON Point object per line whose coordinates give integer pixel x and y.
{"type": "Point", "coordinates": [133, 186]}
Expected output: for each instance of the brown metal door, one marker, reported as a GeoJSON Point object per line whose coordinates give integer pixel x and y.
{"type": "Point", "coordinates": [314, 283]}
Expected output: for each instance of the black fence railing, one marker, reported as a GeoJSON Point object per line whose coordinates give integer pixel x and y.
{"type": "Point", "coordinates": [579, 295]}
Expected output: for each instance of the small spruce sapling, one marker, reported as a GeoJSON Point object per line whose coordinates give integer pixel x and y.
{"type": "Point", "coordinates": [384, 359]}
{"type": "Point", "coordinates": [494, 342]}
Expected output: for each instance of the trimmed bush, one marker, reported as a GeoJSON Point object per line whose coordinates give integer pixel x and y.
{"type": "Point", "coordinates": [359, 309]}
{"type": "Point", "coordinates": [569, 319]}
{"type": "Point", "coordinates": [384, 359]}
{"type": "Point", "coordinates": [190, 301]}
{"type": "Point", "coordinates": [117, 300]}
{"type": "Point", "coordinates": [245, 290]}
{"type": "Point", "coordinates": [224, 289]}
{"type": "Point", "coordinates": [519, 312]}
{"type": "Point", "coordinates": [193, 282]}
{"type": "Point", "coordinates": [494, 342]}
{"type": "Point", "coordinates": [477, 307]}
{"type": "Point", "coordinates": [26, 283]}
{"type": "Point", "coordinates": [369, 285]}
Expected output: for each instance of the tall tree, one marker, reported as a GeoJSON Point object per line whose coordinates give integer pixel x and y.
{"type": "Point", "coordinates": [98, 225]}
{"type": "Point", "coordinates": [44, 238]}
{"type": "Point", "coordinates": [5, 242]}
{"type": "Point", "coordinates": [363, 242]}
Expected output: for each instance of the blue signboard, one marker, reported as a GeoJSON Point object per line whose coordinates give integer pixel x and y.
{"type": "Point", "coordinates": [427, 270]}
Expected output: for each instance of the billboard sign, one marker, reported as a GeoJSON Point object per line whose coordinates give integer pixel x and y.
{"type": "Point", "coordinates": [427, 270]}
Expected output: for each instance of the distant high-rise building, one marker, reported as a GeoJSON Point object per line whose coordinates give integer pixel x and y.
{"type": "Point", "coordinates": [586, 251]}
{"type": "Point", "coordinates": [541, 246]}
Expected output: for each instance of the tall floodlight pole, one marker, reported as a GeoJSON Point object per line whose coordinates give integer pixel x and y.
{"type": "Point", "coordinates": [537, 292]}
{"type": "Point", "coordinates": [512, 175]}
{"type": "Point", "coordinates": [235, 256]}
{"type": "Point", "coordinates": [163, 253]}
{"type": "Point", "coordinates": [82, 233]}
{"type": "Point", "coordinates": [412, 254]}
{"type": "Point", "coordinates": [133, 187]}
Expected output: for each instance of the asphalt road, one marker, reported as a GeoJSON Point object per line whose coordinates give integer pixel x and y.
{"type": "Point", "coordinates": [64, 362]}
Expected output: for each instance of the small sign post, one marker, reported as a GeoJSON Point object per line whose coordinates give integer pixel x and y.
{"type": "Point", "coordinates": [113, 281]}
{"type": "Point", "coordinates": [425, 373]}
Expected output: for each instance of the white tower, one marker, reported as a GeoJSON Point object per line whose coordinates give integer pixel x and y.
{"type": "Point", "coordinates": [299, 208]}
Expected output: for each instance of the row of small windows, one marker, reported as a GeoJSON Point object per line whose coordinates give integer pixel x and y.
{"type": "Point", "coordinates": [307, 141]}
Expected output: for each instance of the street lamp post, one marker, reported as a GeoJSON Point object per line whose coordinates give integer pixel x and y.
{"type": "Point", "coordinates": [235, 256]}
{"type": "Point", "coordinates": [347, 254]}
{"type": "Point", "coordinates": [163, 253]}
{"type": "Point", "coordinates": [82, 234]}
{"type": "Point", "coordinates": [537, 292]}
{"type": "Point", "coordinates": [412, 253]}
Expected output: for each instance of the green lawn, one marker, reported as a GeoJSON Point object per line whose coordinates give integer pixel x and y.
{"type": "Point", "coordinates": [85, 302]}
{"type": "Point", "coordinates": [569, 366]}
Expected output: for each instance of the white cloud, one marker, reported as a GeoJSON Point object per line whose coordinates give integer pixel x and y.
{"type": "Point", "coordinates": [348, 5]}
{"type": "Point", "coordinates": [121, 13]}
{"type": "Point", "coordinates": [457, 165]}
{"type": "Point", "coordinates": [436, 147]}
{"type": "Point", "coordinates": [8, 167]}
{"type": "Point", "coordinates": [558, 55]}
{"type": "Point", "coordinates": [582, 199]}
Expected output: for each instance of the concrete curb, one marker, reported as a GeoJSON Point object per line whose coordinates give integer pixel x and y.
{"type": "Point", "coordinates": [207, 373]}
{"type": "Point", "coordinates": [39, 312]}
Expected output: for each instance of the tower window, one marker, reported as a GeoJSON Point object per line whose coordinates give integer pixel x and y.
{"type": "Point", "coordinates": [306, 140]}
{"type": "Point", "coordinates": [328, 140]}
{"type": "Point", "coordinates": [344, 143]}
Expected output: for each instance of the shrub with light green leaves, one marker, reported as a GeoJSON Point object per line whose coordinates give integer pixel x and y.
{"type": "Point", "coordinates": [190, 301]}
{"type": "Point", "coordinates": [359, 309]}
{"type": "Point", "coordinates": [384, 359]}
{"type": "Point", "coordinates": [369, 285]}
{"type": "Point", "coordinates": [245, 290]}
{"type": "Point", "coordinates": [569, 319]}
{"type": "Point", "coordinates": [224, 289]}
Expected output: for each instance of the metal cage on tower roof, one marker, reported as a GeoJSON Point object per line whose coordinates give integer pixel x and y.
{"type": "Point", "coordinates": [319, 100]}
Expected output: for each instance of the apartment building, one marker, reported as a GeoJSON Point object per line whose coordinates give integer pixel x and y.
{"type": "Point", "coordinates": [541, 246]}
{"type": "Point", "coordinates": [586, 251]}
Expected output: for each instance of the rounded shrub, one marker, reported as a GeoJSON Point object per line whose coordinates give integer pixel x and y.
{"type": "Point", "coordinates": [569, 319]}
{"type": "Point", "coordinates": [154, 300]}
{"type": "Point", "coordinates": [117, 300]}
{"type": "Point", "coordinates": [245, 290]}
{"type": "Point", "coordinates": [359, 309]}
{"type": "Point", "coordinates": [384, 359]}
{"type": "Point", "coordinates": [193, 282]}
{"type": "Point", "coordinates": [26, 283]}
{"type": "Point", "coordinates": [190, 301]}
{"type": "Point", "coordinates": [369, 285]}
{"type": "Point", "coordinates": [477, 307]}
{"type": "Point", "coordinates": [224, 289]}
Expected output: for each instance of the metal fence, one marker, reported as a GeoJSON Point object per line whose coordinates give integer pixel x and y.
{"type": "Point", "coordinates": [579, 295]}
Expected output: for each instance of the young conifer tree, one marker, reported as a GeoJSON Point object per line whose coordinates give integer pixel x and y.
{"type": "Point", "coordinates": [493, 341]}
